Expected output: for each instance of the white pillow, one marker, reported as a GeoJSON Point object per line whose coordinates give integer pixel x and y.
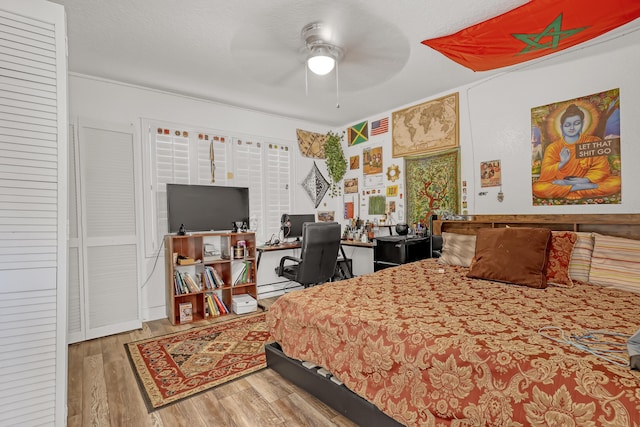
{"type": "Point", "coordinates": [457, 249]}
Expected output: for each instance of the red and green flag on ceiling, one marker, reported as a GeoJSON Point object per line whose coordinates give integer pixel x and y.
{"type": "Point", "coordinates": [533, 30]}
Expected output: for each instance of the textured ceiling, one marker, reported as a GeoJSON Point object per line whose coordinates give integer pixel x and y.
{"type": "Point", "coordinates": [246, 53]}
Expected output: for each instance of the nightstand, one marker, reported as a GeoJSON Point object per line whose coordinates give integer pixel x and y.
{"type": "Point", "coordinates": [390, 251]}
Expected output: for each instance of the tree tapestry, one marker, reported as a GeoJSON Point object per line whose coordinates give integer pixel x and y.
{"type": "Point", "coordinates": [432, 186]}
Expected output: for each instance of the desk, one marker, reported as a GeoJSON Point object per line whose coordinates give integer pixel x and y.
{"type": "Point", "coordinates": [297, 245]}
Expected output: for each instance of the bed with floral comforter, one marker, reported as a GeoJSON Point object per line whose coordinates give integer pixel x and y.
{"type": "Point", "coordinates": [430, 346]}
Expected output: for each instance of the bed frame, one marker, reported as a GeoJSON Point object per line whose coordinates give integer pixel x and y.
{"type": "Point", "coordinates": [361, 411]}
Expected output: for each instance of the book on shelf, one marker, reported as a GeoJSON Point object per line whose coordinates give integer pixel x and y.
{"type": "Point", "coordinates": [183, 260]}
{"type": "Point", "coordinates": [186, 311]}
{"type": "Point", "coordinates": [182, 287]}
{"type": "Point", "coordinates": [218, 278]}
{"type": "Point", "coordinates": [221, 305]}
{"type": "Point", "coordinates": [191, 283]}
{"type": "Point", "coordinates": [212, 306]}
{"type": "Point", "coordinates": [237, 270]}
{"type": "Point", "coordinates": [208, 279]}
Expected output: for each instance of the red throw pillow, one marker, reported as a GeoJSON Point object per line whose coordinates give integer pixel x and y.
{"type": "Point", "coordinates": [562, 243]}
{"type": "Point", "coordinates": [514, 255]}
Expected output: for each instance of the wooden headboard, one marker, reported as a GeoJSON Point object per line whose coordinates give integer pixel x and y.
{"type": "Point", "coordinates": [620, 225]}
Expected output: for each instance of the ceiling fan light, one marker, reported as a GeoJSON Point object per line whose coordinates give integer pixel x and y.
{"type": "Point", "coordinates": [321, 64]}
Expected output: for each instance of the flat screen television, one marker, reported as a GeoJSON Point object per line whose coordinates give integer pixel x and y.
{"type": "Point", "coordinates": [206, 207]}
{"type": "Point", "coordinates": [296, 221]}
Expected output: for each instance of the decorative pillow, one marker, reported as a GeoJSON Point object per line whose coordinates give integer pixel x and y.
{"type": "Point", "coordinates": [562, 243]}
{"type": "Point", "coordinates": [580, 263]}
{"type": "Point", "coordinates": [615, 262]}
{"type": "Point", "coordinates": [457, 249]}
{"type": "Point", "coordinates": [514, 255]}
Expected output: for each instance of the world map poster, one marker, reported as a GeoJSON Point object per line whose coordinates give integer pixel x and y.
{"type": "Point", "coordinates": [426, 128]}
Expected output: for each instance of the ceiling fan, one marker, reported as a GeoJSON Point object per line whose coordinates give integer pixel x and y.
{"type": "Point", "coordinates": [277, 53]}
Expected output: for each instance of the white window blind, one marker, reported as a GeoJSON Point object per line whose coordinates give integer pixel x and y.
{"type": "Point", "coordinates": [278, 181]}
{"type": "Point", "coordinates": [180, 154]}
{"type": "Point", "coordinates": [248, 159]}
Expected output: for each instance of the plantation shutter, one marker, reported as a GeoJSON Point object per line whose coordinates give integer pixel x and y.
{"type": "Point", "coordinates": [212, 172]}
{"type": "Point", "coordinates": [278, 183]}
{"type": "Point", "coordinates": [172, 167]}
{"type": "Point", "coordinates": [247, 157]}
{"type": "Point", "coordinates": [33, 199]}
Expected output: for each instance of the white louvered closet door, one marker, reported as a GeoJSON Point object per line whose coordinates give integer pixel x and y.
{"type": "Point", "coordinates": [33, 200]}
{"type": "Point", "coordinates": [109, 229]}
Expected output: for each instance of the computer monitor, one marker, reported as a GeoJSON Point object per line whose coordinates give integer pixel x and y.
{"type": "Point", "coordinates": [295, 228]}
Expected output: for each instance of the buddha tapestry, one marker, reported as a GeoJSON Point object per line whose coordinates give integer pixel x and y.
{"type": "Point", "coordinates": [576, 151]}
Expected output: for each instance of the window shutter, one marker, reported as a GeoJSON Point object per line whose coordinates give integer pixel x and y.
{"type": "Point", "coordinates": [247, 156]}
{"type": "Point", "coordinates": [206, 167]}
{"type": "Point", "coordinates": [171, 167]}
{"type": "Point", "coordinates": [278, 182]}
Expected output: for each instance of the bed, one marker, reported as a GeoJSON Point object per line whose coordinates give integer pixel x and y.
{"type": "Point", "coordinates": [427, 344]}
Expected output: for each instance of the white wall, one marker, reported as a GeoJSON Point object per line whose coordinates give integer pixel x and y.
{"type": "Point", "coordinates": [116, 103]}
{"type": "Point", "coordinates": [494, 124]}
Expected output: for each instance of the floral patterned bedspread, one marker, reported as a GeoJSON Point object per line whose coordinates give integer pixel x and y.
{"type": "Point", "coordinates": [431, 347]}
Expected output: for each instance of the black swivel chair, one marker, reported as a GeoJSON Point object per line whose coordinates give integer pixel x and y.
{"type": "Point", "coordinates": [318, 256]}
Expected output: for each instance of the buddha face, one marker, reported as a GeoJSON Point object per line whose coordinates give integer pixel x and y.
{"type": "Point", "coordinates": [571, 128]}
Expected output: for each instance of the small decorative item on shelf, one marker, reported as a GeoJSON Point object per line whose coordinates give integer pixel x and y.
{"type": "Point", "coordinates": [402, 229]}
{"type": "Point", "coordinates": [238, 252]}
{"type": "Point", "coordinates": [186, 312]}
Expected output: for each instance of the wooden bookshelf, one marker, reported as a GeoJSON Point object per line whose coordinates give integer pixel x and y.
{"type": "Point", "coordinates": [225, 261]}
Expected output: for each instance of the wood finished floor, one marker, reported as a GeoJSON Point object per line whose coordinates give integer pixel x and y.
{"type": "Point", "coordinates": [102, 391]}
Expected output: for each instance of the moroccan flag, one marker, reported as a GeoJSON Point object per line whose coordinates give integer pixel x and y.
{"type": "Point", "coordinates": [358, 133]}
{"type": "Point", "coordinates": [533, 30]}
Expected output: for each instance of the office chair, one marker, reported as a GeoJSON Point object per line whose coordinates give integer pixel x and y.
{"type": "Point", "coordinates": [318, 255]}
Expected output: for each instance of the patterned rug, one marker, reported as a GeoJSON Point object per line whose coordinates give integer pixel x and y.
{"type": "Point", "coordinates": [173, 367]}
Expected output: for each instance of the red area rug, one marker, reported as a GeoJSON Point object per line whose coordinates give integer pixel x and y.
{"type": "Point", "coordinates": [173, 367]}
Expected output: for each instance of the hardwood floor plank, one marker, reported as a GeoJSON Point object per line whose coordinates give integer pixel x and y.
{"type": "Point", "coordinates": [269, 384]}
{"type": "Point", "coordinates": [126, 405]}
{"type": "Point", "coordinates": [95, 406]}
{"type": "Point", "coordinates": [299, 411]}
{"type": "Point", "coordinates": [211, 410]}
{"type": "Point", "coordinates": [74, 381]}
{"type": "Point", "coordinates": [248, 408]}
{"type": "Point", "coordinates": [182, 414]}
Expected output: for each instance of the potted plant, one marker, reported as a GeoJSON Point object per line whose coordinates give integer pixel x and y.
{"type": "Point", "coordinates": [336, 162]}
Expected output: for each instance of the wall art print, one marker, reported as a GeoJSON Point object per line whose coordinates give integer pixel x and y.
{"type": "Point", "coordinates": [350, 185]}
{"type": "Point", "coordinates": [490, 174]}
{"type": "Point", "coordinates": [575, 151]}
{"type": "Point", "coordinates": [372, 160]}
{"type": "Point", "coordinates": [433, 185]}
{"type": "Point", "coordinates": [377, 205]}
{"type": "Point", "coordinates": [311, 144]}
{"type": "Point", "coordinates": [426, 128]}
{"type": "Point", "coordinates": [315, 185]}
{"type": "Point", "coordinates": [354, 162]}
{"type": "Point", "coordinates": [326, 216]}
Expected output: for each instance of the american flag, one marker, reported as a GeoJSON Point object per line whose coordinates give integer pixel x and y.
{"type": "Point", "coordinates": [380, 126]}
